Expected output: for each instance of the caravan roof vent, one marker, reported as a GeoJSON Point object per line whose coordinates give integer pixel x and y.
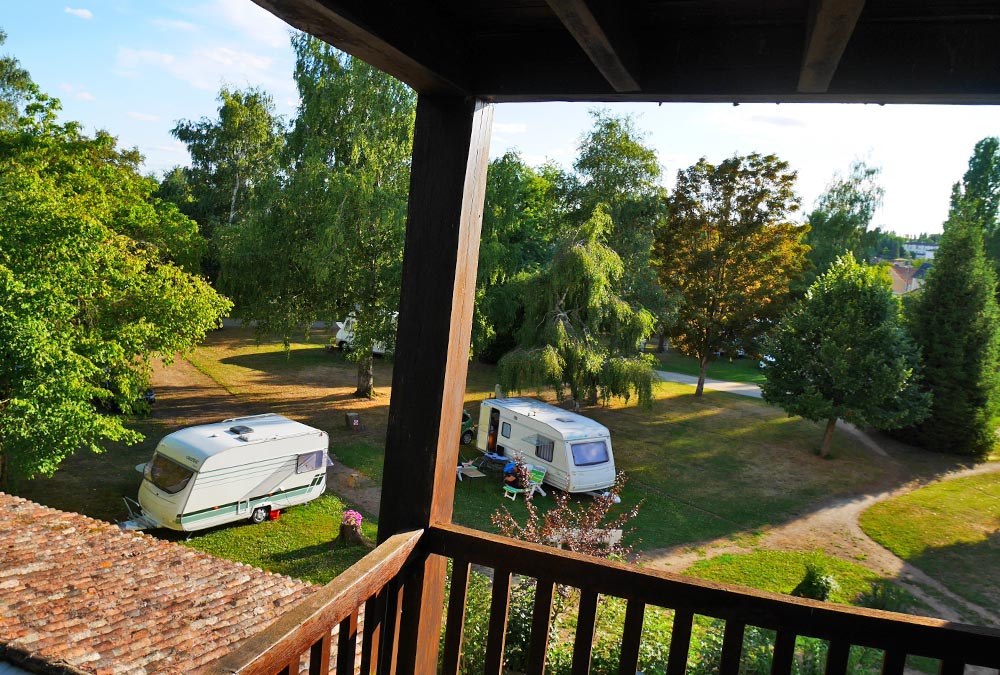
{"type": "Point", "coordinates": [241, 429]}
{"type": "Point", "coordinates": [565, 419]}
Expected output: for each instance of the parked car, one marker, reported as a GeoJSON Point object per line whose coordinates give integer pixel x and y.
{"type": "Point", "coordinates": [345, 338]}
{"type": "Point", "coordinates": [468, 428]}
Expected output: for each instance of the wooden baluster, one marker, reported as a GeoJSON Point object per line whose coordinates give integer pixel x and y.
{"type": "Point", "coordinates": [319, 656]}
{"type": "Point", "coordinates": [836, 658]}
{"type": "Point", "coordinates": [372, 635]}
{"type": "Point", "coordinates": [456, 617]}
{"type": "Point", "coordinates": [586, 620]}
{"type": "Point", "coordinates": [732, 648]}
{"type": "Point", "coordinates": [541, 616]}
{"type": "Point", "coordinates": [389, 651]}
{"type": "Point", "coordinates": [894, 663]}
{"type": "Point", "coordinates": [680, 642]}
{"type": "Point", "coordinates": [784, 652]}
{"type": "Point", "coordinates": [951, 667]}
{"type": "Point", "coordinates": [347, 645]}
{"type": "Point", "coordinates": [497, 635]}
{"type": "Point", "coordinates": [292, 668]}
{"type": "Point", "coordinates": [628, 663]}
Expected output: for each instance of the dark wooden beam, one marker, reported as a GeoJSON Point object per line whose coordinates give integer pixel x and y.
{"type": "Point", "coordinates": [598, 26]}
{"type": "Point", "coordinates": [831, 24]}
{"type": "Point", "coordinates": [391, 39]}
{"type": "Point", "coordinates": [451, 142]}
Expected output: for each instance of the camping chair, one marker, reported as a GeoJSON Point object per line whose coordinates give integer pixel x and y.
{"type": "Point", "coordinates": [535, 477]}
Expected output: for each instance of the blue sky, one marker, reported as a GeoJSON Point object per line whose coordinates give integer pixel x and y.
{"type": "Point", "coordinates": [135, 67]}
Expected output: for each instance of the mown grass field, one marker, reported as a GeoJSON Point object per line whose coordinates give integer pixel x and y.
{"type": "Point", "coordinates": [734, 370]}
{"type": "Point", "coordinates": [951, 530]}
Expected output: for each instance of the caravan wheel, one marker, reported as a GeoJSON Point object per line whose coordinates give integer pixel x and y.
{"type": "Point", "coordinates": [259, 515]}
{"type": "Point", "coordinates": [467, 437]}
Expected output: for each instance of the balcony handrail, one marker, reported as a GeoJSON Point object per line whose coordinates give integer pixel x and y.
{"type": "Point", "coordinates": [311, 621]}
{"type": "Point", "coordinates": [889, 631]}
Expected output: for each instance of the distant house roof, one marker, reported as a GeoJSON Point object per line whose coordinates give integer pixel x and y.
{"type": "Point", "coordinates": [78, 595]}
{"type": "Point", "coordinates": [904, 280]}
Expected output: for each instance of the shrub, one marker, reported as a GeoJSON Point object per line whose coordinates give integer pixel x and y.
{"type": "Point", "coordinates": [817, 584]}
{"type": "Point", "coordinates": [884, 594]}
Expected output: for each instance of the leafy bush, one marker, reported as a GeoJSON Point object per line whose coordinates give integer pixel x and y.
{"type": "Point", "coordinates": [884, 594]}
{"type": "Point", "coordinates": [817, 584]}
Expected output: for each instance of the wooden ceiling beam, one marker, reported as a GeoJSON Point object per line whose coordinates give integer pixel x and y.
{"type": "Point", "coordinates": [392, 41]}
{"type": "Point", "coordinates": [831, 24]}
{"type": "Point", "coordinates": [598, 26]}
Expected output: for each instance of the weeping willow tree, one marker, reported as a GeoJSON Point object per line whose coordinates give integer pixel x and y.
{"type": "Point", "coordinates": [578, 334]}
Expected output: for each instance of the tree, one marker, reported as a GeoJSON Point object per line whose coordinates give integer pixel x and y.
{"type": "Point", "coordinates": [577, 332]}
{"type": "Point", "coordinates": [521, 219]}
{"type": "Point", "coordinates": [15, 86]}
{"type": "Point", "coordinates": [842, 353]}
{"type": "Point", "coordinates": [230, 157]}
{"type": "Point", "coordinates": [728, 250]}
{"type": "Point", "coordinates": [326, 233]}
{"type": "Point", "coordinates": [840, 220]}
{"type": "Point", "coordinates": [90, 289]}
{"type": "Point", "coordinates": [977, 196]}
{"type": "Point", "coordinates": [615, 167]}
{"type": "Point", "coordinates": [956, 323]}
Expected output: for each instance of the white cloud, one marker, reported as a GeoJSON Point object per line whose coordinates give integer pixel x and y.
{"type": "Point", "coordinates": [143, 117]}
{"type": "Point", "coordinates": [174, 24]}
{"type": "Point", "coordinates": [205, 68]}
{"type": "Point", "coordinates": [510, 128]}
{"type": "Point", "coordinates": [77, 91]}
{"type": "Point", "coordinates": [80, 13]}
{"type": "Point", "coordinates": [174, 148]}
{"type": "Point", "coordinates": [247, 19]}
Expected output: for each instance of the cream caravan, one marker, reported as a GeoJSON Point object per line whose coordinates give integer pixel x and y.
{"type": "Point", "coordinates": [237, 469]}
{"type": "Point", "coordinates": [575, 450]}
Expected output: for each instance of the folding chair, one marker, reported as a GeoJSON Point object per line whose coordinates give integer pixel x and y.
{"type": "Point", "coordinates": [535, 477]}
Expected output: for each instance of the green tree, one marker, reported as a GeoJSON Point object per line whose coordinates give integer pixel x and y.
{"type": "Point", "coordinates": [977, 196]}
{"type": "Point", "coordinates": [230, 158]}
{"type": "Point", "coordinates": [956, 323]}
{"type": "Point", "coordinates": [326, 233]}
{"type": "Point", "coordinates": [577, 333]}
{"type": "Point", "coordinates": [90, 289]}
{"type": "Point", "coordinates": [521, 219]}
{"type": "Point", "coordinates": [842, 353]}
{"type": "Point", "coordinates": [15, 86]}
{"type": "Point", "coordinates": [839, 222]}
{"type": "Point", "coordinates": [617, 168]}
{"type": "Point", "coordinates": [729, 251]}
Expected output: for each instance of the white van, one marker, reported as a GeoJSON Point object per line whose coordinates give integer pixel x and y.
{"type": "Point", "coordinates": [345, 337]}
{"type": "Point", "coordinates": [236, 469]}
{"type": "Point", "coordinates": [575, 450]}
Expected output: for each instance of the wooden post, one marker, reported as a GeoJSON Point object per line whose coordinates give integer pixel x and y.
{"type": "Point", "coordinates": [447, 187]}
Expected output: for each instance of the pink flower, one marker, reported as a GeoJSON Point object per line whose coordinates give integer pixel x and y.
{"type": "Point", "coordinates": [352, 518]}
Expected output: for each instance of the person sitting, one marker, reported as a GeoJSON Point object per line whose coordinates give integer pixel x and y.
{"type": "Point", "coordinates": [515, 474]}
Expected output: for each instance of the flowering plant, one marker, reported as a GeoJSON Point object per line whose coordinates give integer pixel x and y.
{"type": "Point", "coordinates": [352, 518]}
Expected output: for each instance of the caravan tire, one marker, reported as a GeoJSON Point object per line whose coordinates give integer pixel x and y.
{"type": "Point", "coordinates": [259, 515]}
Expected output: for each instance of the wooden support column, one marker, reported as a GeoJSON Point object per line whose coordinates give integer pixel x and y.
{"type": "Point", "coordinates": [447, 187]}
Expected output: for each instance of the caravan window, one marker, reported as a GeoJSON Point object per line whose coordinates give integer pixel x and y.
{"type": "Point", "coordinates": [167, 475]}
{"type": "Point", "coordinates": [311, 461]}
{"type": "Point", "coordinates": [543, 448]}
{"type": "Point", "coordinates": [505, 429]}
{"type": "Point", "coordinates": [592, 452]}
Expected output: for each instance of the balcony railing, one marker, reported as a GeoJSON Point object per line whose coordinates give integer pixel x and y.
{"type": "Point", "coordinates": [303, 638]}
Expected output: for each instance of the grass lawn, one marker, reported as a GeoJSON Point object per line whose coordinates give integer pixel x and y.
{"type": "Point", "coordinates": [735, 370]}
{"type": "Point", "coordinates": [950, 530]}
{"type": "Point", "coordinates": [781, 571]}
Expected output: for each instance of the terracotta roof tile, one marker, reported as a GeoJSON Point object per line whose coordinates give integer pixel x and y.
{"type": "Point", "coordinates": [82, 594]}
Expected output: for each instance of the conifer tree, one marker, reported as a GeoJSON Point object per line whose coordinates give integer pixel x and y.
{"type": "Point", "coordinates": [955, 322]}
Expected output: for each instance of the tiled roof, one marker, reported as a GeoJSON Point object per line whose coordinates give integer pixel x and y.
{"type": "Point", "coordinates": [78, 595]}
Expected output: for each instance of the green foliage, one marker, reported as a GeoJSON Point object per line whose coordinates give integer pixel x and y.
{"type": "Point", "coordinates": [955, 320]}
{"type": "Point", "coordinates": [575, 323]}
{"type": "Point", "coordinates": [91, 288]}
{"type": "Point", "coordinates": [231, 157]}
{"type": "Point", "coordinates": [817, 584]}
{"type": "Point", "coordinates": [839, 223]}
{"type": "Point", "coordinates": [977, 196]}
{"type": "Point", "coordinates": [729, 251]}
{"type": "Point", "coordinates": [885, 595]}
{"type": "Point", "coordinates": [325, 234]}
{"type": "Point", "coordinates": [842, 353]}
{"type": "Point", "coordinates": [15, 87]}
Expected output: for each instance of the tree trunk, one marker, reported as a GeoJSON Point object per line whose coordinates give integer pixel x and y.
{"type": "Point", "coordinates": [366, 378]}
{"type": "Point", "coordinates": [700, 389]}
{"type": "Point", "coordinates": [232, 201]}
{"type": "Point", "coordinates": [661, 344]}
{"type": "Point", "coordinates": [824, 449]}
{"type": "Point", "coordinates": [351, 536]}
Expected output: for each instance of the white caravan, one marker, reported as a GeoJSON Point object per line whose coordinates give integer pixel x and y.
{"type": "Point", "coordinates": [345, 336]}
{"type": "Point", "coordinates": [236, 469]}
{"type": "Point", "coordinates": [575, 450]}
